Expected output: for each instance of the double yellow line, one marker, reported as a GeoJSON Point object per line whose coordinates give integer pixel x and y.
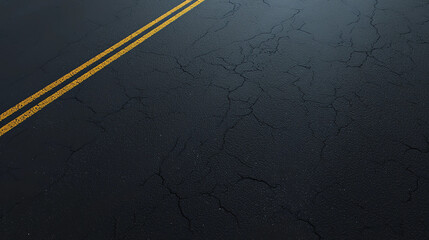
{"type": "Point", "coordinates": [15, 122]}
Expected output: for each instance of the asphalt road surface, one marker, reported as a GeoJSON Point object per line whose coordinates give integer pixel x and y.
{"type": "Point", "coordinates": [275, 119]}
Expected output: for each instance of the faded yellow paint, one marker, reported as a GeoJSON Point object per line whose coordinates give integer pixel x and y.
{"type": "Point", "coordinates": [88, 63]}
{"type": "Point", "coordinates": [6, 128]}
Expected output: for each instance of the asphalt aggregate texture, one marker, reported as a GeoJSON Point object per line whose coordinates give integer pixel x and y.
{"type": "Point", "coordinates": [243, 119]}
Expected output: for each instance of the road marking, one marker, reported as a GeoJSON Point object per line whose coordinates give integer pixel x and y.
{"type": "Point", "coordinates": [88, 63]}
{"type": "Point", "coordinates": [6, 128]}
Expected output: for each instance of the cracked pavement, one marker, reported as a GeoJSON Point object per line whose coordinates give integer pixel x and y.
{"type": "Point", "coordinates": [300, 119]}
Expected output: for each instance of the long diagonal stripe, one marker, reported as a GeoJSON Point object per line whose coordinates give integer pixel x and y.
{"type": "Point", "coordinates": [88, 63]}
{"type": "Point", "coordinates": [6, 128]}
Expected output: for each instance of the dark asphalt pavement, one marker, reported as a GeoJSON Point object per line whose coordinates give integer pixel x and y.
{"type": "Point", "coordinates": [262, 119]}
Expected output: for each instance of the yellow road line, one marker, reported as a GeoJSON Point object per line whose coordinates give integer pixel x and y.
{"type": "Point", "coordinates": [6, 128]}
{"type": "Point", "coordinates": [88, 63]}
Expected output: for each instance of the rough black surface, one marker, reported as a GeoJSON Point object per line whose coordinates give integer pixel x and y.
{"type": "Point", "coordinates": [245, 118]}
